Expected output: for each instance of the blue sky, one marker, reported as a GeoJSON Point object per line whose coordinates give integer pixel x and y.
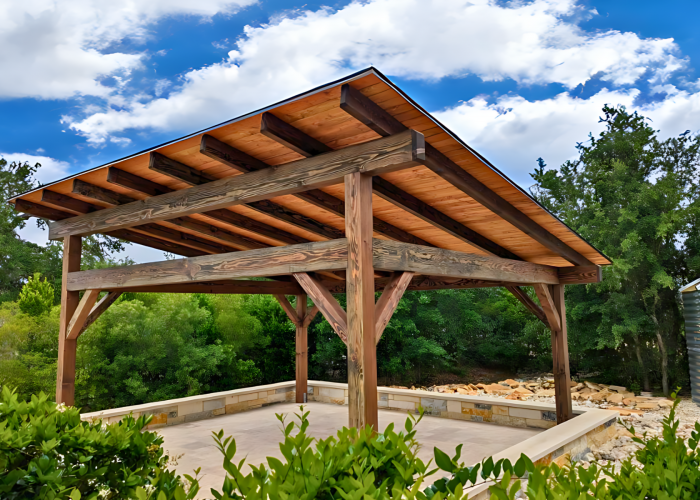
{"type": "Point", "coordinates": [85, 82]}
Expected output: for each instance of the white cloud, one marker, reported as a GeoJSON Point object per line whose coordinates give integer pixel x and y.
{"type": "Point", "coordinates": [51, 169]}
{"type": "Point", "coordinates": [513, 132]}
{"type": "Point", "coordinates": [536, 42]}
{"type": "Point", "coordinates": [56, 50]}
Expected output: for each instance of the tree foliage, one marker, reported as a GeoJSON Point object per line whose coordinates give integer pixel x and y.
{"type": "Point", "coordinates": [36, 297]}
{"type": "Point", "coordinates": [634, 197]}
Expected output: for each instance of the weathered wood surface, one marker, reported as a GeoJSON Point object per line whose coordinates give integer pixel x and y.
{"type": "Point", "coordinates": [301, 345]}
{"type": "Point", "coordinates": [389, 300]}
{"type": "Point", "coordinates": [100, 194]}
{"type": "Point", "coordinates": [231, 287]}
{"type": "Point", "coordinates": [244, 163]}
{"type": "Point", "coordinates": [150, 188]}
{"type": "Point", "coordinates": [75, 327]}
{"type": "Point", "coordinates": [580, 274]}
{"type": "Point", "coordinates": [324, 255]}
{"type": "Point", "coordinates": [65, 202]}
{"type": "Point", "coordinates": [395, 256]}
{"type": "Point", "coordinates": [394, 152]}
{"type": "Point", "coordinates": [529, 304]}
{"type": "Point", "coordinates": [277, 129]}
{"type": "Point", "coordinates": [288, 309]}
{"type": "Point", "coordinates": [99, 308]}
{"type": "Point", "coordinates": [229, 238]}
{"type": "Point", "coordinates": [560, 356]}
{"type": "Point", "coordinates": [325, 302]}
{"type": "Point", "coordinates": [544, 294]}
{"type": "Point", "coordinates": [362, 351]}
{"type": "Point", "coordinates": [310, 315]}
{"type": "Point", "coordinates": [65, 374]}
{"type": "Point", "coordinates": [421, 282]}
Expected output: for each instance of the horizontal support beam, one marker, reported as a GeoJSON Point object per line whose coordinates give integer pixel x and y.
{"type": "Point", "coordinates": [577, 275]}
{"type": "Point", "coordinates": [395, 256]}
{"type": "Point", "coordinates": [233, 287]}
{"type": "Point", "coordinates": [317, 256]}
{"type": "Point", "coordinates": [382, 155]}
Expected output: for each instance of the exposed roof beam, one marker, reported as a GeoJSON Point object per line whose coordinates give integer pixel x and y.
{"type": "Point", "coordinates": [219, 234]}
{"type": "Point", "coordinates": [173, 168]}
{"type": "Point", "coordinates": [290, 136]}
{"type": "Point", "coordinates": [529, 304]}
{"type": "Point", "coordinates": [45, 212]}
{"type": "Point", "coordinates": [145, 186]}
{"type": "Point", "coordinates": [367, 111]}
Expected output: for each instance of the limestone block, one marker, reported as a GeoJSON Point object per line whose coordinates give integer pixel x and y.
{"type": "Point", "coordinates": [214, 404]}
{"type": "Point", "coordinates": [434, 404]}
{"type": "Point", "coordinates": [525, 413]}
{"type": "Point", "coordinates": [330, 392]}
{"type": "Point", "coordinates": [383, 404]}
{"type": "Point", "coordinates": [549, 415]}
{"type": "Point", "coordinates": [158, 418]}
{"type": "Point", "coordinates": [499, 410]}
{"type": "Point", "coordinates": [454, 407]}
{"type": "Point", "coordinates": [191, 417]}
{"type": "Point", "coordinates": [248, 397]}
{"type": "Point", "coordinates": [276, 398]}
{"type": "Point", "coordinates": [176, 420]}
{"type": "Point", "coordinates": [501, 419]}
{"type": "Point", "coordinates": [484, 415]}
{"type": "Point", "coordinates": [237, 407]}
{"type": "Point", "coordinates": [542, 424]}
{"type": "Point", "coordinates": [405, 405]}
{"type": "Point", "coordinates": [401, 397]}
{"type": "Point", "coordinates": [219, 411]}
{"type": "Point", "coordinates": [231, 400]}
{"type": "Point", "coordinates": [284, 390]}
{"type": "Point", "coordinates": [189, 407]}
{"type": "Point", "coordinates": [383, 397]}
{"type": "Point", "coordinates": [517, 422]}
{"type": "Point", "coordinates": [467, 405]}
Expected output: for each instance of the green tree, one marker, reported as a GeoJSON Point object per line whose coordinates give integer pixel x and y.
{"type": "Point", "coordinates": [635, 197]}
{"type": "Point", "coordinates": [36, 297]}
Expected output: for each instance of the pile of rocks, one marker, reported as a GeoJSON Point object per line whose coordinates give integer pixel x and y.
{"type": "Point", "coordinates": [542, 389]}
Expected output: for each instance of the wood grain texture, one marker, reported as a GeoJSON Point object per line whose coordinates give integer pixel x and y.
{"type": "Point", "coordinates": [301, 344]}
{"type": "Point", "coordinates": [244, 163]}
{"type": "Point", "coordinates": [248, 224]}
{"type": "Point", "coordinates": [75, 327]}
{"type": "Point", "coordinates": [458, 177]}
{"type": "Point", "coordinates": [99, 308]}
{"type": "Point", "coordinates": [325, 255]}
{"type": "Point", "coordinates": [389, 300]}
{"type": "Point", "coordinates": [362, 351]}
{"type": "Point", "coordinates": [362, 108]}
{"type": "Point", "coordinates": [291, 137]}
{"type": "Point", "coordinates": [325, 302]}
{"type": "Point", "coordinates": [310, 315]}
{"type": "Point", "coordinates": [231, 287]}
{"type": "Point", "coordinates": [529, 304]}
{"type": "Point", "coordinates": [544, 294]}
{"type": "Point", "coordinates": [395, 256]}
{"type": "Point", "coordinates": [580, 274]}
{"type": "Point", "coordinates": [288, 309]}
{"type": "Point", "coordinates": [560, 356]}
{"type": "Point", "coordinates": [399, 151]}
{"type": "Point", "coordinates": [67, 203]}
{"type": "Point", "coordinates": [100, 194]}
{"type": "Point", "coordinates": [65, 374]}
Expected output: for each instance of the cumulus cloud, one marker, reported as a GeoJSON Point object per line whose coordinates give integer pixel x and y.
{"type": "Point", "coordinates": [51, 168]}
{"type": "Point", "coordinates": [514, 132]}
{"type": "Point", "coordinates": [57, 50]}
{"type": "Point", "coordinates": [536, 42]}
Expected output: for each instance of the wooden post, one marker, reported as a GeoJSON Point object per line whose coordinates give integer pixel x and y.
{"type": "Point", "coordinates": [560, 355]}
{"type": "Point", "coordinates": [362, 353]}
{"type": "Point", "coordinates": [65, 377]}
{"type": "Point", "coordinates": [302, 361]}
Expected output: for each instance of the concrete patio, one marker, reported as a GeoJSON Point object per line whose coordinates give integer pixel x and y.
{"type": "Point", "coordinates": [257, 433]}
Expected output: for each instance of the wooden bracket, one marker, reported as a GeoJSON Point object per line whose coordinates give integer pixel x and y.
{"type": "Point", "coordinates": [99, 308]}
{"type": "Point", "coordinates": [389, 300]}
{"type": "Point", "coordinates": [530, 304]}
{"type": "Point", "coordinates": [81, 313]}
{"type": "Point", "coordinates": [544, 293]}
{"type": "Point", "coordinates": [326, 303]}
{"type": "Point", "coordinates": [292, 313]}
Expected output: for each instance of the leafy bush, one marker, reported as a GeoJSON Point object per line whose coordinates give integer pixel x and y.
{"type": "Point", "coordinates": [47, 452]}
{"type": "Point", "coordinates": [36, 297]}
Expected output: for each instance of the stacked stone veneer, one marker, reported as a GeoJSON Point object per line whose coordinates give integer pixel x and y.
{"type": "Point", "coordinates": [453, 406]}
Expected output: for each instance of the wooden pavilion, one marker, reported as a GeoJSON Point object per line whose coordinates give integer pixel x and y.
{"type": "Point", "coordinates": [348, 188]}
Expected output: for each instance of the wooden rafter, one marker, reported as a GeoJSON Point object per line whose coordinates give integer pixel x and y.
{"type": "Point", "coordinates": [386, 154]}
{"type": "Point", "coordinates": [389, 300]}
{"type": "Point", "coordinates": [44, 212]}
{"type": "Point", "coordinates": [150, 188]}
{"type": "Point", "coordinates": [295, 139]}
{"type": "Point", "coordinates": [372, 115]}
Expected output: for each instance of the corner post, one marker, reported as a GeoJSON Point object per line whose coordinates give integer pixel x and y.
{"type": "Point", "coordinates": [560, 357]}
{"type": "Point", "coordinates": [302, 361]}
{"type": "Point", "coordinates": [362, 352]}
{"type": "Point", "coordinates": [65, 376]}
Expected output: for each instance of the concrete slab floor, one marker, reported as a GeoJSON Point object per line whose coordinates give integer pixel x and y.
{"type": "Point", "coordinates": [257, 433]}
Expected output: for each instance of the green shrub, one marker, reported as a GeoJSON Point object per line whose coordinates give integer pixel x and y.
{"type": "Point", "coordinates": [47, 452]}
{"type": "Point", "coordinates": [36, 297]}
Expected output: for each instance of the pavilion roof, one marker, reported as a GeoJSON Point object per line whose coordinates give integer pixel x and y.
{"type": "Point", "coordinates": [416, 205]}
